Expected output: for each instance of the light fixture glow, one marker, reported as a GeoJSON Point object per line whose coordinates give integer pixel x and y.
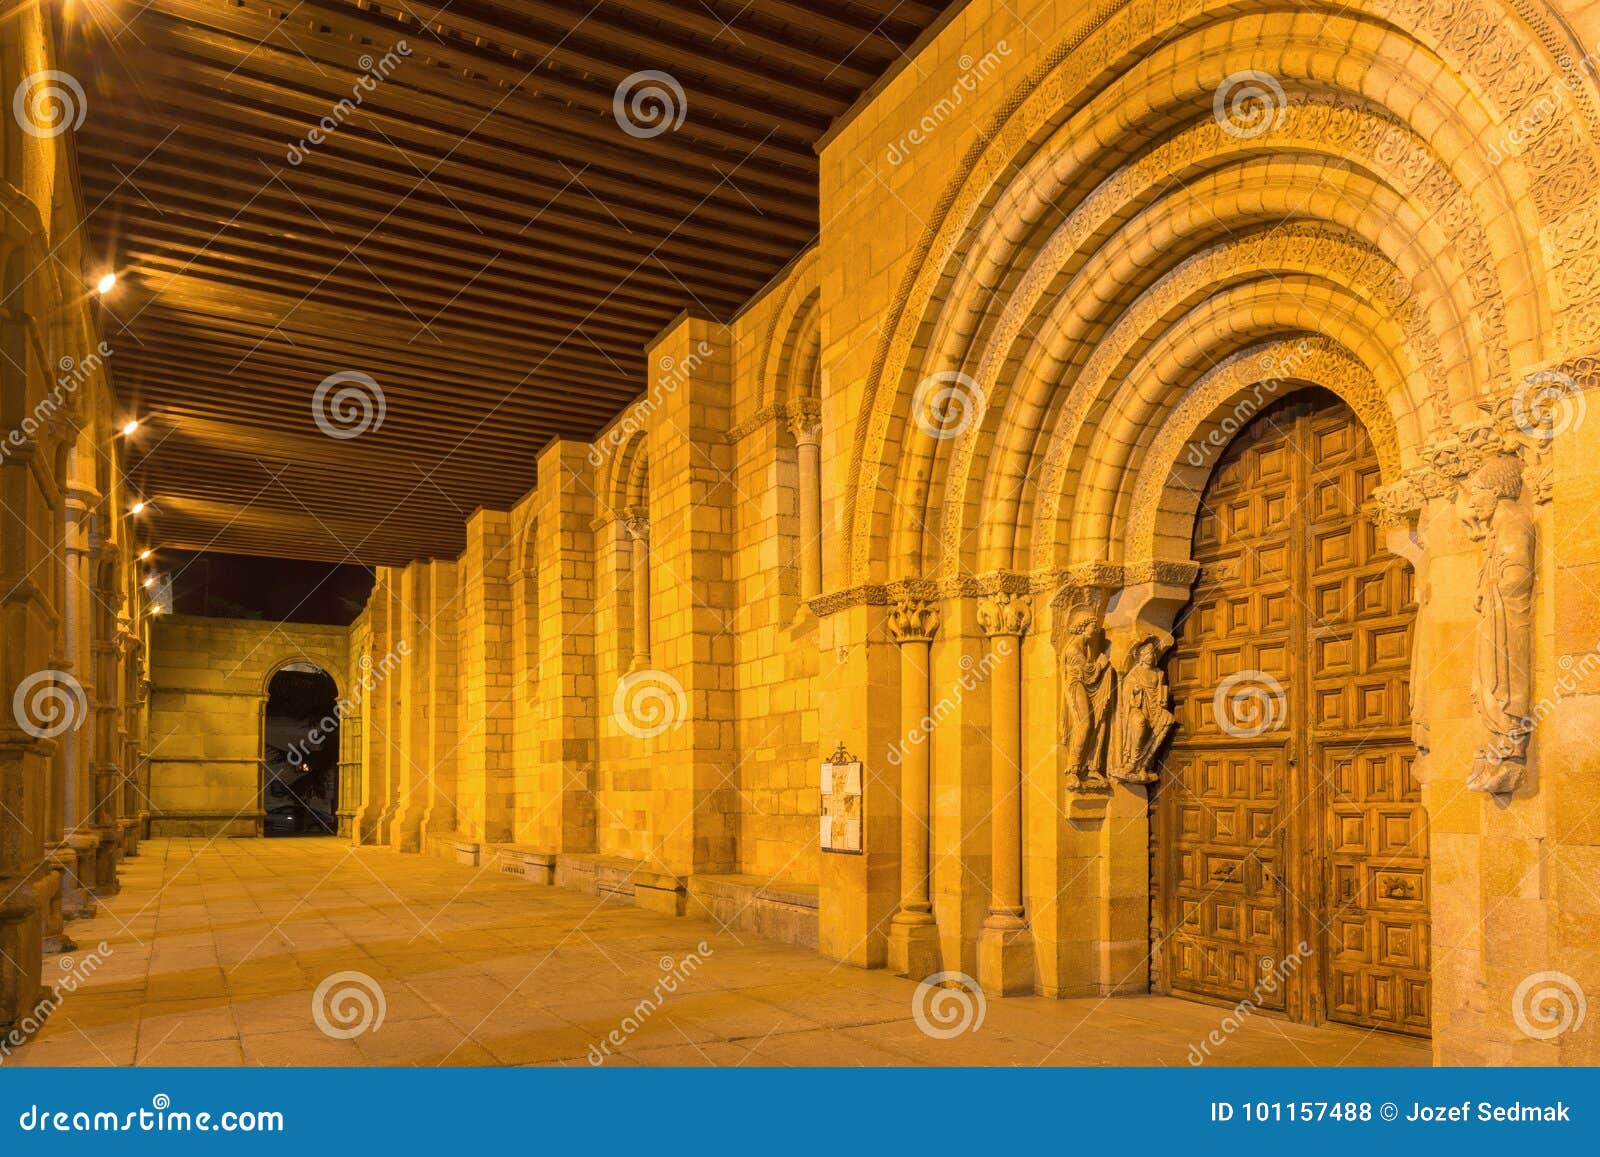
{"type": "Point", "coordinates": [144, 554]}
{"type": "Point", "coordinates": [149, 582]}
{"type": "Point", "coordinates": [130, 426]}
{"type": "Point", "coordinates": [106, 284]}
{"type": "Point", "coordinates": [136, 508]}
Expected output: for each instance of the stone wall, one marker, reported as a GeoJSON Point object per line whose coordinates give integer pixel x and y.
{"type": "Point", "coordinates": [72, 610]}
{"type": "Point", "coordinates": [208, 690]}
{"type": "Point", "coordinates": [1062, 248]}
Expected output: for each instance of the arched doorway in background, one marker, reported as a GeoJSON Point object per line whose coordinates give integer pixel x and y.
{"type": "Point", "coordinates": [1290, 851]}
{"type": "Point", "coordinates": [300, 753]}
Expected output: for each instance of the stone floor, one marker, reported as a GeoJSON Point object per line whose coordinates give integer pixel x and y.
{"type": "Point", "coordinates": [217, 948]}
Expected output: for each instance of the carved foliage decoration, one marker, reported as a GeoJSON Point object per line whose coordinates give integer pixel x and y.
{"type": "Point", "coordinates": [1005, 615]}
{"type": "Point", "coordinates": [913, 620]}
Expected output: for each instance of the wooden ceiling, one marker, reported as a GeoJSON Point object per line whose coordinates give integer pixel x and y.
{"type": "Point", "coordinates": [479, 233]}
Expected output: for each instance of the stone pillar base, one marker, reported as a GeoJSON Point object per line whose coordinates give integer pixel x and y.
{"type": "Point", "coordinates": [75, 857]}
{"type": "Point", "coordinates": [913, 947]}
{"type": "Point", "coordinates": [52, 921]}
{"type": "Point", "coordinates": [1005, 961]}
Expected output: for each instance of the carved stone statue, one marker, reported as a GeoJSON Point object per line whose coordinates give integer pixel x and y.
{"type": "Point", "coordinates": [1502, 676]}
{"type": "Point", "coordinates": [1088, 688]}
{"type": "Point", "coordinates": [1144, 718]}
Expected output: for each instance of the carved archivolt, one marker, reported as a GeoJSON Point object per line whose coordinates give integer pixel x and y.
{"type": "Point", "coordinates": [1196, 431]}
{"type": "Point", "coordinates": [1302, 247]}
{"type": "Point", "coordinates": [1505, 62]}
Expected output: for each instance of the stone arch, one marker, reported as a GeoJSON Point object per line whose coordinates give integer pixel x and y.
{"type": "Point", "coordinates": [525, 602]}
{"type": "Point", "coordinates": [1170, 467]}
{"type": "Point", "coordinates": [298, 659]}
{"type": "Point", "coordinates": [1056, 144]}
{"type": "Point", "coordinates": [336, 718]}
{"type": "Point", "coordinates": [791, 352]}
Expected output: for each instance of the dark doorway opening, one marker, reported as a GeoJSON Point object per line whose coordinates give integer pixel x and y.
{"type": "Point", "coordinates": [300, 756]}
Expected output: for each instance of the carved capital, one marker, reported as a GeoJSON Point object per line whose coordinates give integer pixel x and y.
{"type": "Point", "coordinates": [804, 416]}
{"type": "Point", "coordinates": [1005, 615]}
{"type": "Point", "coordinates": [636, 519]}
{"type": "Point", "coordinates": [913, 620]}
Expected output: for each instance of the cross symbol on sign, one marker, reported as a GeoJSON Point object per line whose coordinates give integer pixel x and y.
{"type": "Point", "coordinates": [841, 807]}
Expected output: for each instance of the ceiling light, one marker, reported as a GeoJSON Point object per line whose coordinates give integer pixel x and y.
{"type": "Point", "coordinates": [106, 284]}
{"type": "Point", "coordinates": [130, 426]}
{"type": "Point", "coordinates": [136, 508]}
{"type": "Point", "coordinates": [144, 554]}
{"type": "Point", "coordinates": [150, 582]}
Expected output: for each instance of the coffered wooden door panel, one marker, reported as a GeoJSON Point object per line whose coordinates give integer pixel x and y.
{"type": "Point", "coordinates": [1290, 846]}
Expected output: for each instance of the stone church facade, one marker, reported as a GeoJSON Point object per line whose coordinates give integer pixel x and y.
{"type": "Point", "coordinates": [1148, 539]}
{"type": "Point", "coordinates": [1215, 376]}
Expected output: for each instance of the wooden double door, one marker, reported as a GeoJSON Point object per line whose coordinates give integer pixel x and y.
{"type": "Point", "coordinates": [1289, 849]}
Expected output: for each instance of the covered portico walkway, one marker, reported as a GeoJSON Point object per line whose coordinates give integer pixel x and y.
{"type": "Point", "coordinates": [214, 951]}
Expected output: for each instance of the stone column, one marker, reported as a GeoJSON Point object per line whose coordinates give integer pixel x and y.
{"type": "Point", "coordinates": [78, 793]}
{"type": "Point", "coordinates": [913, 934]}
{"type": "Point", "coordinates": [637, 521]}
{"type": "Point", "coordinates": [805, 422]}
{"type": "Point", "coordinates": [1005, 946]}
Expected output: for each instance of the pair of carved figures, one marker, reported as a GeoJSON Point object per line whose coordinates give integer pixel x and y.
{"type": "Point", "coordinates": [1111, 722]}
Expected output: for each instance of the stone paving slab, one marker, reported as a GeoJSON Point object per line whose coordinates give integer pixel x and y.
{"type": "Point", "coordinates": [215, 950]}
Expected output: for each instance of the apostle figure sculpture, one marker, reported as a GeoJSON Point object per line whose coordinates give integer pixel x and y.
{"type": "Point", "coordinates": [1088, 688]}
{"type": "Point", "coordinates": [1502, 654]}
{"type": "Point", "coordinates": [1144, 718]}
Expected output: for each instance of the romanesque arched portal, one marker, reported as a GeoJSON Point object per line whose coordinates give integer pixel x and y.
{"type": "Point", "coordinates": [1289, 844]}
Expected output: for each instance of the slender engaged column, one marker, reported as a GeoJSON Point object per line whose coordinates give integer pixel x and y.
{"type": "Point", "coordinates": [805, 422]}
{"type": "Point", "coordinates": [79, 834]}
{"type": "Point", "coordinates": [1005, 946]}
{"type": "Point", "coordinates": [637, 521]}
{"type": "Point", "coordinates": [913, 934]}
